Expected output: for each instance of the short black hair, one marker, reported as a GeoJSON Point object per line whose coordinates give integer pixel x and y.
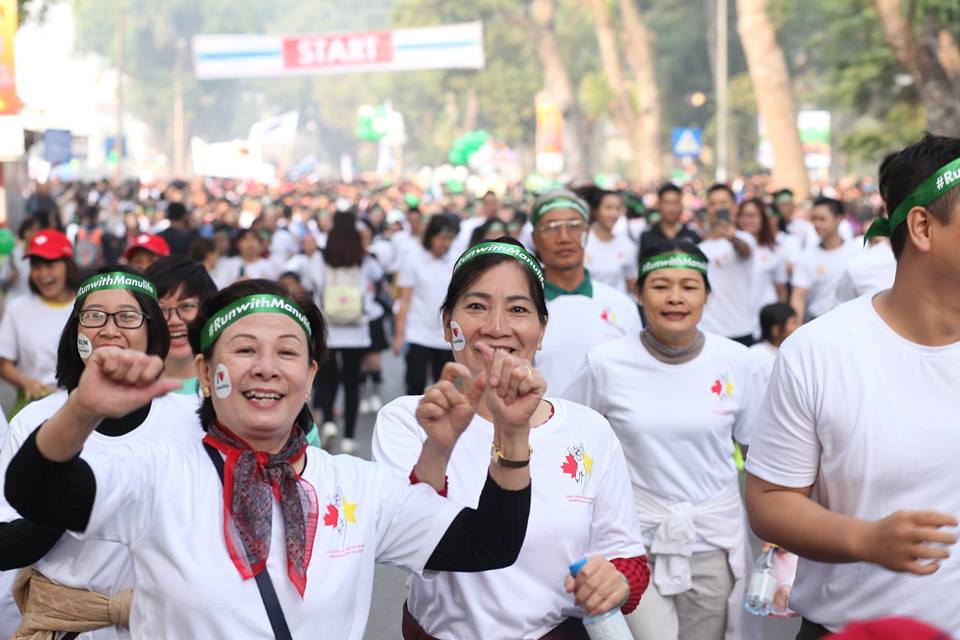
{"type": "Point", "coordinates": [70, 365]}
{"type": "Point", "coordinates": [176, 273]}
{"type": "Point", "coordinates": [719, 186]}
{"type": "Point", "coordinates": [26, 225]}
{"type": "Point", "coordinates": [671, 245]}
{"type": "Point", "coordinates": [316, 345]}
{"type": "Point", "coordinates": [468, 274]}
{"type": "Point", "coordinates": [668, 187]}
{"type": "Point", "coordinates": [835, 206]}
{"type": "Point", "coordinates": [74, 275]}
{"type": "Point", "coordinates": [902, 172]}
{"type": "Point", "coordinates": [774, 315]}
{"type": "Point", "coordinates": [442, 223]}
{"type": "Point", "coordinates": [176, 211]}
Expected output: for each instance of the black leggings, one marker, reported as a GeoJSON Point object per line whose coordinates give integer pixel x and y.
{"type": "Point", "coordinates": [342, 366]}
{"type": "Point", "coordinates": [811, 631]}
{"type": "Point", "coordinates": [419, 359]}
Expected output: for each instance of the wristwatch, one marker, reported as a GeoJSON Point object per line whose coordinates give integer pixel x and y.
{"type": "Point", "coordinates": [496, 457]}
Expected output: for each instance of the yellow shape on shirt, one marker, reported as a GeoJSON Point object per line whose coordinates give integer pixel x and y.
{"type": "Point", "coordinates": [729, 389]}
{"type": "Point", "coordinates": [588, 463]}
{"type": "Point", "coordinates": [350, 511]}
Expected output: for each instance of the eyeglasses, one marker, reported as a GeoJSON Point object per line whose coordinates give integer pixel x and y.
{"type": "Point", "coordinates": [572, 227]}
{"type": "Point", "coordinates": [186, 311]}
{"type": "Point", "coordinates": [127, 319]}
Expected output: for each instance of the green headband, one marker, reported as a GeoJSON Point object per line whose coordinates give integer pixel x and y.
{"type": "Point", "coordinates": [928, 191]}
{"type": "Point", "coordinates": [503, 248]}
{"type": "Point", "coordinates": [559, 203]}
{"type": "Point", "coordinates": [673, 261]}
{"type": "Point", "coordinates": [116, 280]}
{"type": "Point", "coordinates": [258, 303]}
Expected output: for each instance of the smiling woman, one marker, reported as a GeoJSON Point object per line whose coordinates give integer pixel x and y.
{"type": "Point", "coordinates": [259, 501]}
{"type": "Point", "coordinates": [494, 317]}
{"type": "Point", "coordinates": [115, 311]}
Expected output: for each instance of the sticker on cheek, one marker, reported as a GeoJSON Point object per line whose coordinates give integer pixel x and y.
{"type": "Point", "coordinates": [84, 346]}
{"type": "Point", "coordinates": [456, 336]}
{"type": "Point", "coordinates": [221, 381]}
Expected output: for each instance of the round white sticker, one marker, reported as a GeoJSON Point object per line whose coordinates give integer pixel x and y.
{"type": "Point", "coordinates": [84, 346]}
{"type": "Point", "coordinates": [221, 381]}
{"type": "Point", "coordinates": [456, 336]}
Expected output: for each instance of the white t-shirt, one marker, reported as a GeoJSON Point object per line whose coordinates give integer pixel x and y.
{"type": "Point", "coordinates": [800, 236]}
{"type": "Point", "coordinates": [769, 270]}
{"type": "Point", "coordinates": [231, 269]}
{"type": "Point", "coordinates": [428, 277]}
{"type": "Point", "coordinates": [676, 423]}
{"type": "Point", "coordinates": [870, 271]}
{"type": "Point", "coordinates": [101, 565]}
{"type": "Point", "coordinates": [764, 355]}
{"type": "Point", "coordinates": [311, 270]}
{"type": "Point", "coordinates": [613, 262]}
{"type": "Point", "coordinates": [30, 333]}
{"type": "Point", "coordinates": [578, 510]}
{"type": "Point", "coordinates": [869, 419]}
{"type": "Point", "coordinates": [819, 271]}
{"type": "Point", "coordinates": [576, 325]}
{"type": "Point", "coordinates": [164, 501]}
{"type": "Point", "coordinates": [467, 226]}
{"type": "Point", "coordinates": [729, 311]}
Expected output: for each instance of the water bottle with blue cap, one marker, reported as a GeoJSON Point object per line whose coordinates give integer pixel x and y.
{"type": "Point", "coordinates": [606, 626]}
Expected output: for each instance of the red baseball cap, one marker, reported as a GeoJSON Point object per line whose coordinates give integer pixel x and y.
{"type": "Point", "coordinates": [49, 244]}
{"type": "Point", "coordinates": [149, 242]}
{"type": "Point", "coordinates": [890, 629]}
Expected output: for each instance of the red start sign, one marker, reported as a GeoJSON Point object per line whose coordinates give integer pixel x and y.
{"type": "Point", "coordinates": [352, 49]}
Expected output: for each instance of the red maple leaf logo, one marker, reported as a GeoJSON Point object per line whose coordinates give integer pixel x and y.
{"type": "Point", "coordinates": [331, 517]}
{"type": "Point", "coordinates": [717, 388]}
{"type": "Point", "coordinates": [604, 316]}
{"type": "Point", "coordinates": [570, 466]}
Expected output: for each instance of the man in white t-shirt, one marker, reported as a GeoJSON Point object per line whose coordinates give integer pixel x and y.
{"type": "Point", "coordinates": [729, 311]}
{"type": "Point", "coordinates": [583, 312]}
{"type": "Point", "coordinates": [819, 269]}
{"type": "Point", "coordinates": [853, 462]}
{"type": "Point", "coordinates": [870, 271]}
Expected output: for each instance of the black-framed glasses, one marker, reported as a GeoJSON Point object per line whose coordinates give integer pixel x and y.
{"type": "Point", "coordinates": [126, 319]}
{"type": "Point", "coordinates": [186, 311]}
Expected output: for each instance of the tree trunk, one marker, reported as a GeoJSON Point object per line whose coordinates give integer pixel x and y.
{"type": "Point", "coordinates": [558, 86]}
{"type": "Point", "coordinates": [638, 47]}
{"type": "Point", "coordinates": [621, 106]}
{"type": "Point", "coordinates": [948, 54]}
{"type": "Point", "coordinates": [771, 84]}
{"type": "Point", "coordinates": [940, 98]}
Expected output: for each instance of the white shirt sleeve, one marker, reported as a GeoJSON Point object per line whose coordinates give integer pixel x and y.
{"type": "Point", "coordinates": [8, 334]}
{"type": "Point", "coordinates": [785, 445]}
{"type": "Point", "coordinates": [397, 439]}
{"type": "Point", "coordinates": [583, 389]}
{"type": "Point", "coordinates": [412, 519]}
{"type": "Point", "coordinates": [407, 276]}
{"type": "Point", "coordinates": [802, 278]}
{"type": "Point", "coordinates": [747, 416]}
{"type": "Point", "coordinates": [615, 527]}
{"type": "Point", "coordinates": [780, 273]}
{"type": "Point", "coordinates": [846, 288]}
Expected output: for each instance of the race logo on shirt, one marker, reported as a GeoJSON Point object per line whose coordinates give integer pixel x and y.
{"type": "Point", "coordinates": [338, 515]}
{"type": "Point", "coordinates": [579, 466]}
{"type": "Point", "coordinates": [722, 388]}
{"type": "Point", "coordinates": [611, 323]}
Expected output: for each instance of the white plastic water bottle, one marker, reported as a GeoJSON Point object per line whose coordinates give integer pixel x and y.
{"type": "Point", "coordinates": [762, 586]}
{"type": "Point", "coordinates": [606, 626]}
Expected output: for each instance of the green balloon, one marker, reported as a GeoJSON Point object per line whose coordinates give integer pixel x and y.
{"type": "Point", "coordinates": [7, 242]}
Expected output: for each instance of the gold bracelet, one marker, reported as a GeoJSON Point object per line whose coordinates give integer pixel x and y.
{"type": "Point", "coordinates": [496, 456]}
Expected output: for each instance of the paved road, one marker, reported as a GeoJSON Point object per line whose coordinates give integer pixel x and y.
{"type": "Point", "coordinates": [389, 582]}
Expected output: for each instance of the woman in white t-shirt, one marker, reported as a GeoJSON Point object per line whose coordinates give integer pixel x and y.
{"type": "Point", "coordinates": [251, 499]}
{"type": "Point", "coordinates": [611, 258]}
{"type": "Point", "coordinates": [117, 309]}
{"type": "Point", "coordinates": [422, 283]}
{"type": "Point", "coordinates": [249, 262]}
{"type": "Point", "coordinates": [31, 324]}
{"type": "Point", "coordinates": [680, 452]}
{"type": "Point", "coordinates": [495, 308]}
{"type": "Point", "coordinates": [769, 257]}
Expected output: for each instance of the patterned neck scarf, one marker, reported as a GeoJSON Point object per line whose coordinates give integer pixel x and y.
{"type": "Point", "coordinates": [251, 479]}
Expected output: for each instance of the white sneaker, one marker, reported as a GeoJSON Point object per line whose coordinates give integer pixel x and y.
{"type": "Point", "coordinates": [375, 403]}
{"type": "Point", "coordinates": [348, 445]}
{"type": "Point", "coordinates": [328, 433]}
{"type": "Point", "coordinates": [364, 407]}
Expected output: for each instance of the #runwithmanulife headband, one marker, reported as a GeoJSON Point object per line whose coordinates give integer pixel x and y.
{"type": "Point", "coordinates": [116, 280]}
{"type": "Point", "coordinates": [258, 303]}
{"type": "Point", "coordinates": [558, 199]}
{"type": "Point", "coordinates": [503, 248]}
{"type": "Point", "coordinates": [673, 261]}
{"type": "Point", "coordinates": [942, 180]}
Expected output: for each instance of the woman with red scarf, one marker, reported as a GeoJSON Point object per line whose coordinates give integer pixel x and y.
{"type": "Point", "coordinates": [252, 499]}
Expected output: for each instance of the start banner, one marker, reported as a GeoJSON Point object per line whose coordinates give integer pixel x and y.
{"type": "Point", "coordinates": [457, 46]}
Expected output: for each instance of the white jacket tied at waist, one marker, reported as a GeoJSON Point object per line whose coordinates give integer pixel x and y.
{"type": "Point", "coordinates": [670, 531]}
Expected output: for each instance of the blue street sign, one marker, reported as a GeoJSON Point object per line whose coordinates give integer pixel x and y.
{"type": "Point", "coordinates": [687, 142]}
